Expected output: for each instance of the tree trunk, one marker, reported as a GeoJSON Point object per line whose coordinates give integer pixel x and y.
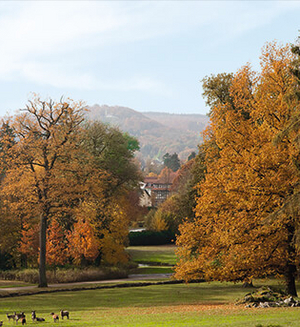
{"type": "Point", "coordinates": [42, 263]}
{"type": "Point", "coordinates": [291, 269]}
{"type": "Point", "coordinates": [290, 279]}
{"type": "Point", "coordinates": [248, 284]}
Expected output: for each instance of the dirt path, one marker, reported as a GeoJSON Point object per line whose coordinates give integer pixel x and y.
{"type": "Point", "coordinates": [131, 278]}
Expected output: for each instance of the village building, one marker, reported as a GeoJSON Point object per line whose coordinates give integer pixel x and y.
{"type": "Point", "coordinates": [156, 189]}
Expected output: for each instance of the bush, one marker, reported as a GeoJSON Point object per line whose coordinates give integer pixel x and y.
{"type": "Point", "coordinates": [151, 238]}
{"type": "Point", "coordinates": [6, 261]}
{"type": "Point", "coordinates": [66, 275]}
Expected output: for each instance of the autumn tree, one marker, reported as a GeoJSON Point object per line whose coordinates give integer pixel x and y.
{"type": "Point", "coordinates": [247, 178]}
{"type": "Point", "coordinates": [83, 243]}
{"type": "Point", "coordinates": [29, 243]}
{"type": "Point", "coordinates": [180, 206]}
{"type": "Point", "coordinates": [57, 253]}
{"type": "Point", "coordinates": [44, 133]}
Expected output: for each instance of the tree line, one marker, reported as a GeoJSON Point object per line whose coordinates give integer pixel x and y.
{"type": "Point", "coordinates": [66, 187]}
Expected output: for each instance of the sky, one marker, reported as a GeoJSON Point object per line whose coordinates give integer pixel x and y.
{"type": "Point", "coordinates": [145, 55]}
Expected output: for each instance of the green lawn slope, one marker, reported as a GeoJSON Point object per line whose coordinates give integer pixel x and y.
{"type": "Point", "coordinates": [203, 304]}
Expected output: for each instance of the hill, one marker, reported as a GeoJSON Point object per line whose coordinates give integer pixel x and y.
{"type": "Point", "coordinates": [158, 133]}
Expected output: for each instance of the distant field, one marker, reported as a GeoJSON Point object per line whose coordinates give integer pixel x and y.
{"type": "Point", "coordinates": [160, 254]}
{"type": "Point", "coordinates": [164, 305]}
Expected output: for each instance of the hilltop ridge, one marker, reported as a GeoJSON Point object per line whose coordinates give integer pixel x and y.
{"type": "Point", "coordinates": [157, 132]}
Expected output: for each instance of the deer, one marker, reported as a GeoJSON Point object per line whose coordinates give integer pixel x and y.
{"type": "Point", "coordinates": [33, 315]}
{"type": "Point", "coordinates": [54, 316]}
{"type": "Point", "coordinates": [64, 313]}
{"type": "Point", "coordinates": [35, 318]}
{"type": "Point", "coordinates": [20, 316]}
{"type": "Point", "coordinates": [23, 320]}
{"type": "Point", "coordinates": [12, 316]}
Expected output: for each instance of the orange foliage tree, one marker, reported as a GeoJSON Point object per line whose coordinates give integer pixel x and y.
{"type": "Point", "coordinates": [45, 134]}
{"type": "Point", "coordinates": [29, 243]}
{"type": "Point", "coordinates": [83, 243]}
{"type": "Point", "coordinates": [57, 253]}
{"type": "Point", "coordinates": [247, 178]}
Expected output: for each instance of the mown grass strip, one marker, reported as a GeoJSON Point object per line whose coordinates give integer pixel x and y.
{"type": "Point", "coordinates": [160, 254]}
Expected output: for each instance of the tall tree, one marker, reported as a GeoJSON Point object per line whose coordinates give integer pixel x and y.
{"type": "Point", "coordinates": [247, 178]}
{"type": "Point", "coordinates": [45, 132]}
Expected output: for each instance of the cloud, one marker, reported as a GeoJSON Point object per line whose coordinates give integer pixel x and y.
{"type": "Point", "coordinates": [35, 36]}
{"type": "Point", "coordinates": [56, 76]}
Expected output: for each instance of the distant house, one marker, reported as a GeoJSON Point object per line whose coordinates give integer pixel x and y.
{"type": "Point", "coordinates": [155, 190]}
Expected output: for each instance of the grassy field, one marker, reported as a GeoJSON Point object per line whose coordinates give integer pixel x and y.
{"type": "Point", "coordinates": [164, 305]}
{"type": "Point", "coordinates": [161, 254]}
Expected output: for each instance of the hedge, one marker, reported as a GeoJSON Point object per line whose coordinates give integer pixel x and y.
{"type": "Point", "coordinates": [151, 238]}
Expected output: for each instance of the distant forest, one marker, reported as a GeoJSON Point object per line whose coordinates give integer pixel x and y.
{"type": "Point", "coordinates": [158, 133]}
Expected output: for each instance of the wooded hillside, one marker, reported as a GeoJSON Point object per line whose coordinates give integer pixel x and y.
{"type": "Point", "coordinates": [158, 133]}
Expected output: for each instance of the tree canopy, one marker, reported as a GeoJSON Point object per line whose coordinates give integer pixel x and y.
{"type": "Point", "coordinates": [66, 182]}
{"type": "Point", "coordinates": [248, 177]}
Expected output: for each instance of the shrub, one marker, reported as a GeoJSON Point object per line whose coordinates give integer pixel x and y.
{"type": "Point", "coordinates": [66, 275]}
{"type": "Point", "coordinates": [151, 237]}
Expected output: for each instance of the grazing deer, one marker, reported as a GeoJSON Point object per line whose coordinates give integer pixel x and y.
{"type": "Point", "coordinates": [10, 316]}
{"type": "Point", "coordinates": [64, 313]}
{"type": "Point", "coordinates": [23, 321]}
{"type": "Point", "coordinates": [35, 318]}
{"type": "Point", "coordinates": [54, 316]}
{"type": "Point", "coordinates": [20, 316]}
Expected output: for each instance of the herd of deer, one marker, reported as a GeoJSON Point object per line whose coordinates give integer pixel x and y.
{"type": "Point", "coordinates": [20, 317]}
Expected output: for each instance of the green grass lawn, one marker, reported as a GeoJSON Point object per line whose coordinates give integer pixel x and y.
{"type": "Point", "coordinates": [12, 283]}
{"type": "Point", "coordinates": [155, 254]}
{"type": "Point", "coordinates": [200, 304]}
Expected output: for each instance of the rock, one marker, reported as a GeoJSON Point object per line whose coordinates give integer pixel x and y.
{"type": "Point", "coordinates": [266, 297]}
{"type": "Point", "coordinates": [248, 298]}
{"type": "Point", "coordinates": [289, 301]}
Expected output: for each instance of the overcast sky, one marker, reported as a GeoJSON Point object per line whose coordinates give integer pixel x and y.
{"type": "Point", "coordinates": [146, 55]}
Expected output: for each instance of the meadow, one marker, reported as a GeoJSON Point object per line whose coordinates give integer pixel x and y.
{"type": "Point", "coordinates": [196, 304]}
{"type": "Point", "coordinates": [155, 255]}
{"type": "Point", "coordinates": [201, 304]}
{"type": "Point", "coordinates": [153, 259]}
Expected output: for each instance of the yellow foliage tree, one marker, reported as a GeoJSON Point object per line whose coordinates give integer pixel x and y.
{"type": "Point", "coordinates": [158, 223]}
{"type": "Point", "coordinates": [115, 236]}
{"type": "Point", "coordinates": [247, 178]}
